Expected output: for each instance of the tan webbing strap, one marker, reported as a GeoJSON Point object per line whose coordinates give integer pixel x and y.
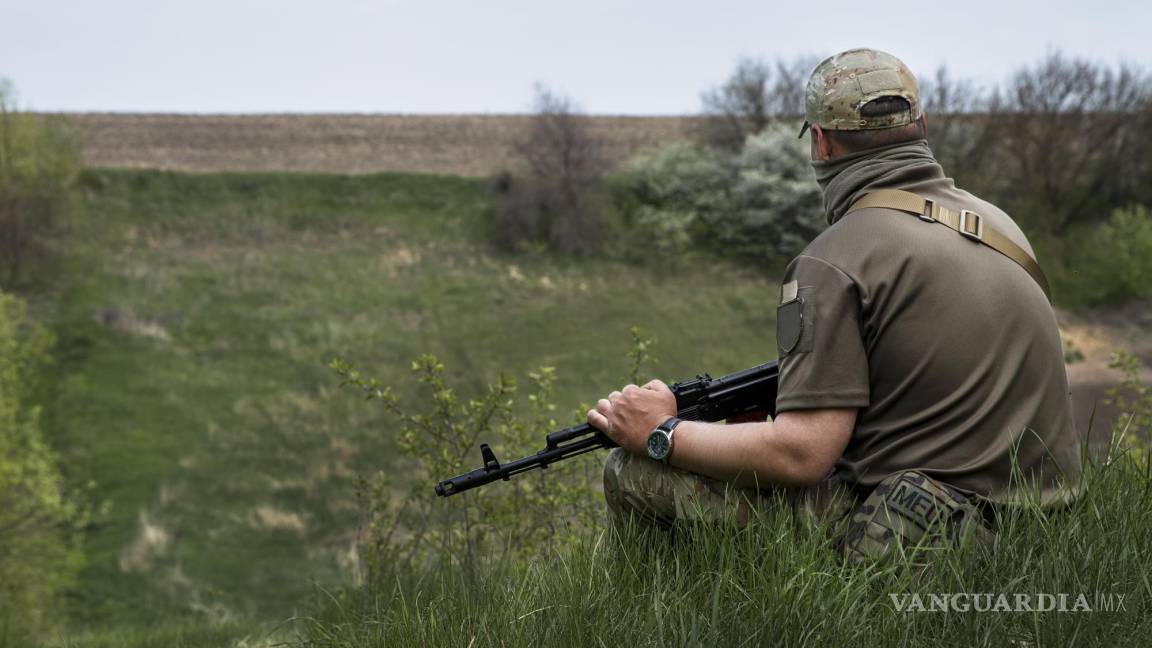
{"type": "Point", "coordinates": [968, 224]}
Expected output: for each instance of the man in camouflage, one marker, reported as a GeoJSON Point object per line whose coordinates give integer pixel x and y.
{"type": "Point", "coordinates": [922, 381]}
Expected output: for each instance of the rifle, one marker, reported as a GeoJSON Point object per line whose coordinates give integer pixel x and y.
{"type": "Point", "coordinates": [703, 398]}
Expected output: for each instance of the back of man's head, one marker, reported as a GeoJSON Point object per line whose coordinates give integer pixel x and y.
{"type": "Point", "coordinates": [864, 99]}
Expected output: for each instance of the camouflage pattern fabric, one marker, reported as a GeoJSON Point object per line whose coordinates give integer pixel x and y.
{"type": "Point", "coordinates": [654, 494]}
{"type": "Point", "coordinates": [841, 84]}
{"type": "Point", "coordinates": [911, 511]}
{"type": "Point", "coordinates": [904, 511]}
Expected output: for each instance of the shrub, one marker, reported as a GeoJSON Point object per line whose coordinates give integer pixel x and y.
{"type": "Point", "coordinates": [39, 520]}
{"type": "Point", "coordinates": [778, 208]}
{"type": "Point", "coordinates": [1114, 264]}
{"type": "Point", "coordinates": [38, 162]}
{"type": "Point", "coordinates": [1133, 400]}
{"type": "Point", "coordinates": [412, 532]}
{"type": "Point", "coordinates": [758, 205]}
{"type": "Point", "coordinates": [550, 200]}
{"type": "Point", "coordinates": [662, 194]}
{"type": "Point", "coordinates": [408, 530]}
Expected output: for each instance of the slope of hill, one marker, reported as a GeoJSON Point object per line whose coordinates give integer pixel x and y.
{"type": "Point", "coordinates": [195, 322]}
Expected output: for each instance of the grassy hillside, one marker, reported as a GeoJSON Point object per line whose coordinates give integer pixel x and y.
{"type": "Point", "coordinates": [1073, 578]}
{"type": "Point", "coordinates": [195, 322]}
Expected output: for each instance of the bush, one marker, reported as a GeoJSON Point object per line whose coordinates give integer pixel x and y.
{"type": "Point", "coordinates": [551, 202]}
{"type": "Point", "coordinates": [759, 205]}
{"type": "Point", "coordinates": [663, 194]}
{"type": "Point", "coordinates": [39, 520]}
{"type": "Point", "coordinates": [778, 206]}
{"type": "Point", "coordinates": [409, 531]}
{"type": "Point", "coordinates": [1133, 400]}
{"type": "Point", "coordinates": [38, 162]}
{"type": "Point", "coordinates": [1114, 263]}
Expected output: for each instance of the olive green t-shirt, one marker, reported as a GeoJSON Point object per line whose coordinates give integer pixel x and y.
{"type": "Point", "coordinates": [949, 349]}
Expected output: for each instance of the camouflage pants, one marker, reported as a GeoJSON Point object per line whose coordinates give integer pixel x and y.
{"type": "Point", "coordinates": [906, 509]}
{"type": "Point", "coordinates": [654, 494]}
{"type": "Point", "coordinates": [910, 510]}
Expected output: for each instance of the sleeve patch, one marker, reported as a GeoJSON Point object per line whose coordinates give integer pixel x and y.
{"type": "Point", "coordinates": [794, 323]}
{"type": "Point", "coordinates": [789, 291]}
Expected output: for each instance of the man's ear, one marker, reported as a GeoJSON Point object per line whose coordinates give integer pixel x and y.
{"type": "Point", "coordinates": [823, 144]}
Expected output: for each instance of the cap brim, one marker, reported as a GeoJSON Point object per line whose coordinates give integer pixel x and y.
{"type": "Point", "coordinates": [803, 129]}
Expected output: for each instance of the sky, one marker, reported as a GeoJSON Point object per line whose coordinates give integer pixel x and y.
{"type": "Point", "coordinates": [610, 57]}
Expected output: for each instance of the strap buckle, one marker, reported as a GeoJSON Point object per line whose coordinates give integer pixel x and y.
{"type": "Point", "coordinates": [929, 207]}
{"type": "Point", "coordinates": [971, 225]}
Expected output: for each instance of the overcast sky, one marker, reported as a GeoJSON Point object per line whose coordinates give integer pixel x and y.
{"type": "Point", "coordinates": [627, 56]}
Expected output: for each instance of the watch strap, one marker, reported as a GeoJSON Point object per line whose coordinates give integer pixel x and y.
{"type": "Point", "coordinates": [669, 425]}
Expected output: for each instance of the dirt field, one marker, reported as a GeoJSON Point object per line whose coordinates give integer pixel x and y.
{"type": "Point", "coordinates": [1089, 380]}
{"type": "Point", "coordinates": [473, 145]}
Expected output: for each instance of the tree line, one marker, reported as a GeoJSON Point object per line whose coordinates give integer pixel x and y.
{"type": "Point", "coordinates": [1064, 145]}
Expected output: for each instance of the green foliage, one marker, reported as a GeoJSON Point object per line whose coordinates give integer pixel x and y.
{"type": "Point", "coordinates": [778, 583]}
{"type": "Point", "coordinates": [1072, 355]}
{"type": "Point", "coordinates": [1133, 399]}
{"type": "Point", "coordinates": [39, 517]}
{"type": "Point", "coordinates": [409, 530]}
{"type": "Point", "coordinates": [663, 193]}
{"type": "Point", "coordinates": [639, 355]}
{"type": "Point", "coordinates": [759, 205]}
{"type": "Point", "coordinates": [38, 161]}
{"type": "Point", "coordinates": [778, 204]}
{"type": "Point", "coordinates": [1114, 262]}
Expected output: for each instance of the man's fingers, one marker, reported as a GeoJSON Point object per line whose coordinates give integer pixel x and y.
{"type": "Point", "coordinates": [629, 387]}
{"type": "Point", "coordinates": [597, 420]}
{"type": "Point", "coordinates": [613, 396]}
{"type": "Point", "coordinates": [603, 406]}
{"type": "Point", "coordinates": [656, 385]}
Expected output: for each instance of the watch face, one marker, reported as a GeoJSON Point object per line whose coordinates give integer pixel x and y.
{"type": "Point", "coordinates": [658, 444]}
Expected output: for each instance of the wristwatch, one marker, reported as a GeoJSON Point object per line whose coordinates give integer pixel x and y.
{"type": "Point", "coordinates": [660, 439]}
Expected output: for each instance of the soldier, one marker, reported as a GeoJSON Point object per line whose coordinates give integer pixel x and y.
{"type": "Point", "coordinates": [919, 354]}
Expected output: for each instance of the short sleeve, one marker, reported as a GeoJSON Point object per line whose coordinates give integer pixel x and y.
{"type": "Point", "coordinates": [822, 358]}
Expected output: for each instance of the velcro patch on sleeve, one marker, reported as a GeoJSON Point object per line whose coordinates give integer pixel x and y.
{"type": "Point", "coordinates": [794, 321]}
{"type": "Point", "coordinates": [789, 291]}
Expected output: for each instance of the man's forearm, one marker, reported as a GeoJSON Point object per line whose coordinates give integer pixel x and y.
{"type": "Point", "coordinates": [739, 453]}
{"type": "Point", "coordinates": [794, 450]}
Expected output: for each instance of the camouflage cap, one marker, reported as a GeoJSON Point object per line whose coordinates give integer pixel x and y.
{"type": "Point", "coordinates": [841, 84]}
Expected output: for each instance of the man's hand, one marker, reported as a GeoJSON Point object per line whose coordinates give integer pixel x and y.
{"type": "Point", "coordinates": [628, 415]}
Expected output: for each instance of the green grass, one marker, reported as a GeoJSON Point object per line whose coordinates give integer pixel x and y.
{"type": "Point", "coordinates": [195, 320]}
{"type": "Point", "coordinates": [169, 635]}
{"type": "Point", "coordinates": [777, 583]}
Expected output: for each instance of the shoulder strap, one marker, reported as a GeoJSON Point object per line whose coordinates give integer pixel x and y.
{"type": "Point", "coordinates": [968, 224]}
